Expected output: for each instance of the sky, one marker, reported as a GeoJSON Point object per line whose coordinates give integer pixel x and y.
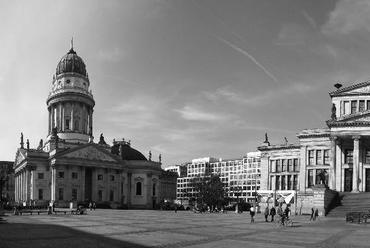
{"type": "Point", "coordinates": [184, 78]}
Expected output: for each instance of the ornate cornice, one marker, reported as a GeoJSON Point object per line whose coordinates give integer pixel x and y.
{"type": "Point", "coordinates": [332, 123]}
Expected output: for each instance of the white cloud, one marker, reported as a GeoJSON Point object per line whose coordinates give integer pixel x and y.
{"type": "Point", "coordinates": [194, 114]}
{"type": "Point", "coordinates": [348, 16]}
{"type": "Point", "coordinates": [227, 94]}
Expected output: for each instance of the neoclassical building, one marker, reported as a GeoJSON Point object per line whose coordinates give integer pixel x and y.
{"type": "Point", "coordinates": [69, 166]}
{"type": "Point", "coordinates": [338, 155]}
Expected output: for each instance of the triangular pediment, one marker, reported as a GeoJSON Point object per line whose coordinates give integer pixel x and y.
{"type": "Point", "coordinates": [359, 117]}
{"type": "Point", "coordinates": [19, 157]}
{"type": "Point", "coordinates": [356, 89]}
{"type": "Point", "coordinates": [90, 152]}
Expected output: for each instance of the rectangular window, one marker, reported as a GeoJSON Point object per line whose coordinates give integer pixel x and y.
{"type": "Point", "coordinates": [111, 177]}
{"type": "Point", "coordinates": [100, 177]}
{"type": "Point", "coordinates": [290, 165]}
{"type": "Point", "coordinates": [100, 195]}
{"type": "Point", "coordinates": [289, 182]}
{"type": "Point", "coordinates": [346, 108]}
{"type": "Point", "coordinates": [283, 183]}
{"type": "Point", "coordinates": [74, 194]}
{"type": "Point", "coordinates": [284, 165]}
{"type": "Point", "coordinates": [310, 157]}
{"type": "Point", "coordinates": [310, 178]}
{"type": "Point", "coordinates": [41, 194]}
{"type": "Point", "coordinates": [111, 195]}
{"type": "Point", "coordinates": [326, 156]}
{"type": "Point", "coordinates": [367, 157]}
{"type": "Point", "coordinates": [67, 124]}
{"type": "Point", "coordinates": [61, 174]}
{"type": "Point", "coordinates": [295, 182]}
{"type": "Point", "coordinates": [278, 166]}
{"type": "Point", "coordinates": [74, 175]}
{"type": "Point", "coordinates": [318, 157]}
{"type": "Point", "coordinates": [271, 178]}
{"type": "Point", "coordinates": [368, 104]}
{"type": "Point", "coordinates": [296, 165]}
{"type": "Point", "coordinates": [353, 107]}
{"type": "Point", "coordinates": [60, 194]}
{"type": "Point", "coordinates": [361, 106]}
{"type": "Point", "coordinates": [348, 156]}
{"type": "Point", "coordinates": [40, 176]}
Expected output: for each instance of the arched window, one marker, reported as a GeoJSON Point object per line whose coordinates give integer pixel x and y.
{"type": "Point", "coordinates": [154, 189]}
{"type": "Point", "coordinates": [138, 188]}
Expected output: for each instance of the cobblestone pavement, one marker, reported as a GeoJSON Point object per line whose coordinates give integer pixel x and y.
{"type": "Point", "coordinates": [134, 228]}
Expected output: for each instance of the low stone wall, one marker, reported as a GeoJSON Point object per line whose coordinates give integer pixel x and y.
{"type": "Point", "coordinates": [305, 201]}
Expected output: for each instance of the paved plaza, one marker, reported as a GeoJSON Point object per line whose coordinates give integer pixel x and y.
{"type": "Point", "coordinates": [134, 228]}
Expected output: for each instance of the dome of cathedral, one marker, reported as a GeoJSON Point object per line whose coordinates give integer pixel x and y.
{"type": "Point", "coordinates": [126, 152]}
{"type": "Point", "coordinates": [71, 62]}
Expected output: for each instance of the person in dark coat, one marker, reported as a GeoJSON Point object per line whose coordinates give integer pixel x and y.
{"type": "Point", "coordinates": [312, 214]}
{"type": "Point", "coordinates": [316, 214]}
{"type": "Point", "coordinates": [272, 213]}
{"type": "Point", "coordinates": [252, 213]}
{"type": "Point", "coordinates": [266, 213]}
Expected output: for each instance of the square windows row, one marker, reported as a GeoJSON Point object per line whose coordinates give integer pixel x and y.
{"type": "Point", "coordinates": [318, 157]}
{"type": "Point", "coordinates": [284, 165]}
{"type": "Point", "coordinates": [74, 175]}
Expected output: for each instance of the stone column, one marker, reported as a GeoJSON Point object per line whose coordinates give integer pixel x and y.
{"type": "Point", "coordinates": [53, 183]}
{"type": "Point", "coordinates": [49, 120]}
{"type": "Point", "coordinates": [27, 188]}
{"type": "Point", "coordinates": [72, 119]}
{"type": "Point", "coordinates": [302, 169]}
{"type": "Point", "coordinates": [338, 165]}
{"type": "Point", "coordinates": [332, 171]}
{"type": "Point", "coordinates": [62, 119]}
{"type": "Point", "coordinates": [356, 156]}
{"type": "Point", "coordinates": [15, 187]}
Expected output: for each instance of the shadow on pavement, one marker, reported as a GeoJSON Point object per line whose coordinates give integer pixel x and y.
{"type": "Point", "coordinates": [17, 235]}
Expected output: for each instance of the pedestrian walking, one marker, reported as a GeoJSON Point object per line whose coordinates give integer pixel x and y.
{"type": "Point", "coordinates": [312, 214]}
{"type": "Point", "coordinates": [267, 212]}
{"type": "Point", "coordinates": [252, 212]}
{"type": "Point", "coordinates": [94, 206]}
{"type": "Point", "coordinates": [316, 214]}
{"type": "Point", "coordinates": [272, 213]}
{"type": "Point", "coordinates": [90, 206]}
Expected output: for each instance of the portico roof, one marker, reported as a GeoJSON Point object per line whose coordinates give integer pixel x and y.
{"type": "Point", "coordinates": [355, 89]}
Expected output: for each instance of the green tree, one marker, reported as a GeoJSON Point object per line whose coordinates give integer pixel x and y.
{"type": "Point", "coordinates": [210, 190]}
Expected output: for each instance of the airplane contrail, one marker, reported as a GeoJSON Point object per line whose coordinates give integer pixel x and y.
{"type": "Point", "coordinates": [244, 52]}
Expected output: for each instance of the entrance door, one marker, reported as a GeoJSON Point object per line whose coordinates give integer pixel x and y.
{"type": "Point", "coordinates": [367, 180]}
{"type": "Point", "coordinates": [348, 180]}
{"type": "Point", "coordinates": [88, 184]}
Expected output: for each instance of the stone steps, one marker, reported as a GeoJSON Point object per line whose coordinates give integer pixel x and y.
{"type": "Point", "coordinates": [351, 202]}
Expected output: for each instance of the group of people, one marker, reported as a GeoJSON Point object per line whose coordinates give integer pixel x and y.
{"type": "Point", "coordinates": [92, 205]}
{"type": "Point", "coordinates": [314, 214]}
{"type": "Point", "coordinates": [283, 214]}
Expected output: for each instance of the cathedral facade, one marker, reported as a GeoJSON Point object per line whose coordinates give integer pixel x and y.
{"type": "Point", "coordinates": [70, 167]}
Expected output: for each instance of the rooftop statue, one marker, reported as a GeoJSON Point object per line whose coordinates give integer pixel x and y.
{"type": "Point", "coordinates": [333, 112]}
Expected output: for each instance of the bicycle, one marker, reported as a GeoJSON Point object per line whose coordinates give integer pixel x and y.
{"type": "Point", "coordinates": [282, 221]}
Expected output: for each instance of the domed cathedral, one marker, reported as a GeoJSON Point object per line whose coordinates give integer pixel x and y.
{"type": "Point", "coordinates": [70, 167]}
